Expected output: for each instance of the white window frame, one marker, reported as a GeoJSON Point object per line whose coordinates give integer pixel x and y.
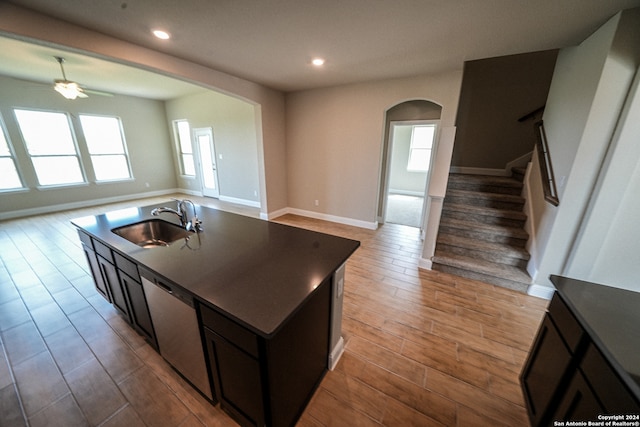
{"type": "Point", "coordinates": [179, 146]}
{"type": "Point", "coordinates": [123, 144]}
{"type": "Point", "coordinates": [12, 156]}
{"type": "Point", "coordinates": [75, 154]}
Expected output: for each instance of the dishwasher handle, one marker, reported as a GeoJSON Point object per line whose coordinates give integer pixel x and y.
{"type": "Point", "coordinates": [176, 292]}
{"type": "Point", "coordinates": [164, 287]}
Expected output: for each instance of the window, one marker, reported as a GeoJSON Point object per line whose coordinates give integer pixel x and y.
{"type": "Point", "coordinates": [420, 151]}
{"type": "Point", "coordinates": [51, 146]}
{"type": "Point", "coordinates": [106, 146]}
{"type": "Point", "coordinates": [9, 178]}
{"type": "Point", "coordinates": [183, 134]}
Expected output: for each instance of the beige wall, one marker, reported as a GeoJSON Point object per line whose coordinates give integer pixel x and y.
{"type": "Point", "coordinates": [269, 117]}
{"type": "Point", "coordinates": [234, 133]}
{"type": "Point", "coordinates": [145, 128]}
{"type": "Point", "coordinates": [335, 137]}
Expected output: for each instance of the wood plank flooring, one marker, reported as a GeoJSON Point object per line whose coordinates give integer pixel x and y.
{"type": "Point", "coordinates": [422, 348]}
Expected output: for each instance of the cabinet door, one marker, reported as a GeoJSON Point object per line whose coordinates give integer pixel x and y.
{"type": "Point", "coordinates": [111, 280]}
{"type": "Point", "coordinates": [545, 371]}
{"type": "Point", "coordinates": [92, 260]}
{"type": "Point", "coordinates": [579, 402]}
{"type": "Point", "coordinates": [140, 317]}
{"type": "Point", "coordinates": [237, 381]}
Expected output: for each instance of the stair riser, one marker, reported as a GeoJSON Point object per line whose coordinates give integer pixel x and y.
{"type": "Point", "coordinates": [484, 236]}
{"type": "Point", "coordinates": [485, 188]}
{"type": "Point", "coordinates": [486, 202]}
{"type": "Point", "coordinates": [482, 219]}
{"type": "Point", "coordinates": [518, 176]}
{"type": "Point", "coordinates": [505, 283]}
{"type": "Point", "coordinates": [513, 261]}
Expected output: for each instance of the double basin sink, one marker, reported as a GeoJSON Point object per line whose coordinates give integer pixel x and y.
{"type": "Point", "coordinates": [152, 233]}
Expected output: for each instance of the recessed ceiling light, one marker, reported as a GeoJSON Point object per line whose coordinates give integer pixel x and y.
{"type": "Point", "coordinates": [161, 34]}
{"type": "Point", "coordinates": [317, 62]}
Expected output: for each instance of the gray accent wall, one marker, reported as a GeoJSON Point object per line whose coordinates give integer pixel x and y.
{"type": "Point", "coordinates": [495, 93]}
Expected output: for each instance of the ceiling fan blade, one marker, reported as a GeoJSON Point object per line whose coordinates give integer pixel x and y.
{"type": "Point", "coordinates": [97, 92]}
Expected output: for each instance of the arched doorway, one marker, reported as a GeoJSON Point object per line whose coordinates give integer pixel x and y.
{"type": "Point", "coordinates": [403, 182]}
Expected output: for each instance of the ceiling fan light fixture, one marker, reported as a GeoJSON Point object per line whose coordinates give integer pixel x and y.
{"type": "Point", "coordinates": [69, 90]}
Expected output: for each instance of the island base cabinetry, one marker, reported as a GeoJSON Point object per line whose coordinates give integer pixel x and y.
{"type": "Point", "coordinates": [118, 281]}
{"type": "Point", "coordinates": [268, 381]}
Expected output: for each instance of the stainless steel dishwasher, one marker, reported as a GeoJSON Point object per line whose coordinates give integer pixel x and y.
{"type": "Point", "coordinates": [176, 326]}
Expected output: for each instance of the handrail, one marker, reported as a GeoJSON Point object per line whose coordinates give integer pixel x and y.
{"type": "Point", "coordinates": [544, 158]}
{"type": "Point", "coordinates": [531, 114]}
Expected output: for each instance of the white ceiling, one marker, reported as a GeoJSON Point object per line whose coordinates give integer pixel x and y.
{"type": "Point", "coordinates": [272, 41]}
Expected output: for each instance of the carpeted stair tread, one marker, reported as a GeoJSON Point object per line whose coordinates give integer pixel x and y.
{"type": "Point", "coordinates": [485, 183]}
{"type": "Point", "coordinates": [476, 210]}
{"type": "Point", "coordinates": [485, 228]}
{"type": "Point", "coordinates": [497, 274]}
{"type": "Point", "coordinates": [505, 181]}
{"type": "Point", "coordinates": [482, 246]}
{"type": "Point", "coordinates": [475, 195]}
{"type": "Point", "coordinates": [481, 234]}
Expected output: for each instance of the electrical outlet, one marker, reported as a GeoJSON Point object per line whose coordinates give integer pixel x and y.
{"type": "Point", "coordinates": [316, 202]}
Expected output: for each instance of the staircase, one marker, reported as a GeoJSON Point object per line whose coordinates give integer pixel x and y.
{"type": "Point", "coordinates": [481, 233]}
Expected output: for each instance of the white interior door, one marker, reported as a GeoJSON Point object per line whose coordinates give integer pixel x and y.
{"type": "Point", "coordinates": [207, 155]}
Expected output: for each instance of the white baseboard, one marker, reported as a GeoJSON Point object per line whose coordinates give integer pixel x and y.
{"type": "Point", "coordinates": [327, 217]}
{"type": "Point", "coordinates": [540, 291]}
{"type": "Point", "coordinates": [275, 214]}
{"type": "Point", "coordinates": [425, 264]}
{"type": "Point", "coordinates": [335, 354]}
{"type": "Point", "coordinates": [245, 202]}
{"type": "Point", "coordinates": [85, 203]}
{"type": "Point", "coordinates": [406, 192]}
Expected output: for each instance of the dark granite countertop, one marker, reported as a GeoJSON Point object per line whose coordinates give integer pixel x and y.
{"type": "Point", "coordinates": [256, 272]}
{"type": "Point", "coordinates": [611, 316]}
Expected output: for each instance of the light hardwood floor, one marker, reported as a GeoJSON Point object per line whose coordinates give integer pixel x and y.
{"type": "Point", "coordinates": [423, 348]}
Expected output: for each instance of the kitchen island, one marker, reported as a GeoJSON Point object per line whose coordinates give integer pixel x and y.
{"type": "Point", "coordinates": [266, 296]}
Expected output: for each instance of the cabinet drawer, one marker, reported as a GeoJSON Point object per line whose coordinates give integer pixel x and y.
{"type": "Point", "coordinates": [103, 250]}
{"type": "Point", "coordinates": [611, 391]}
{"type": "Point", "coordinates": [229, 330]}
{"type": "Point", "coordinates": [127, 266]}
{"type": "Point", "coordinates": [85, 239]}
{"type": "Point", "coordinates": [569, 328]}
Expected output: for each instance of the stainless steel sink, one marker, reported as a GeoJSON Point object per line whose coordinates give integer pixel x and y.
{"type": "Point", "coordinates": [152, 233]}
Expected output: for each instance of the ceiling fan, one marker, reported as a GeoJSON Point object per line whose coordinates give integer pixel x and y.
{"type": "Point", "coordinates": [70, 89]}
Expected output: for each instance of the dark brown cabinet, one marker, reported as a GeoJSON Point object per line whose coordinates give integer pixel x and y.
{"type": "Point", "coordinates": [92, 261]}
{"type": "Point", "coordinates": [118, 281]}
{"type": "Point", "coordinates": [266, 381]}
{"type": "Point", "coordinates": [570, 375]}
{"type": "Point", "coordinates": [236, 378]}
{"type": "Point", "coordinates": [112, 281]}
{"type": "Point", "coordinates": [131, 286]}
{"type": "Point", "coordinates": [549, 364]}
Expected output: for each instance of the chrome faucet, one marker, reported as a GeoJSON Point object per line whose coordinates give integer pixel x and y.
{"type": "Point", "coordinates": [193, 224]}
